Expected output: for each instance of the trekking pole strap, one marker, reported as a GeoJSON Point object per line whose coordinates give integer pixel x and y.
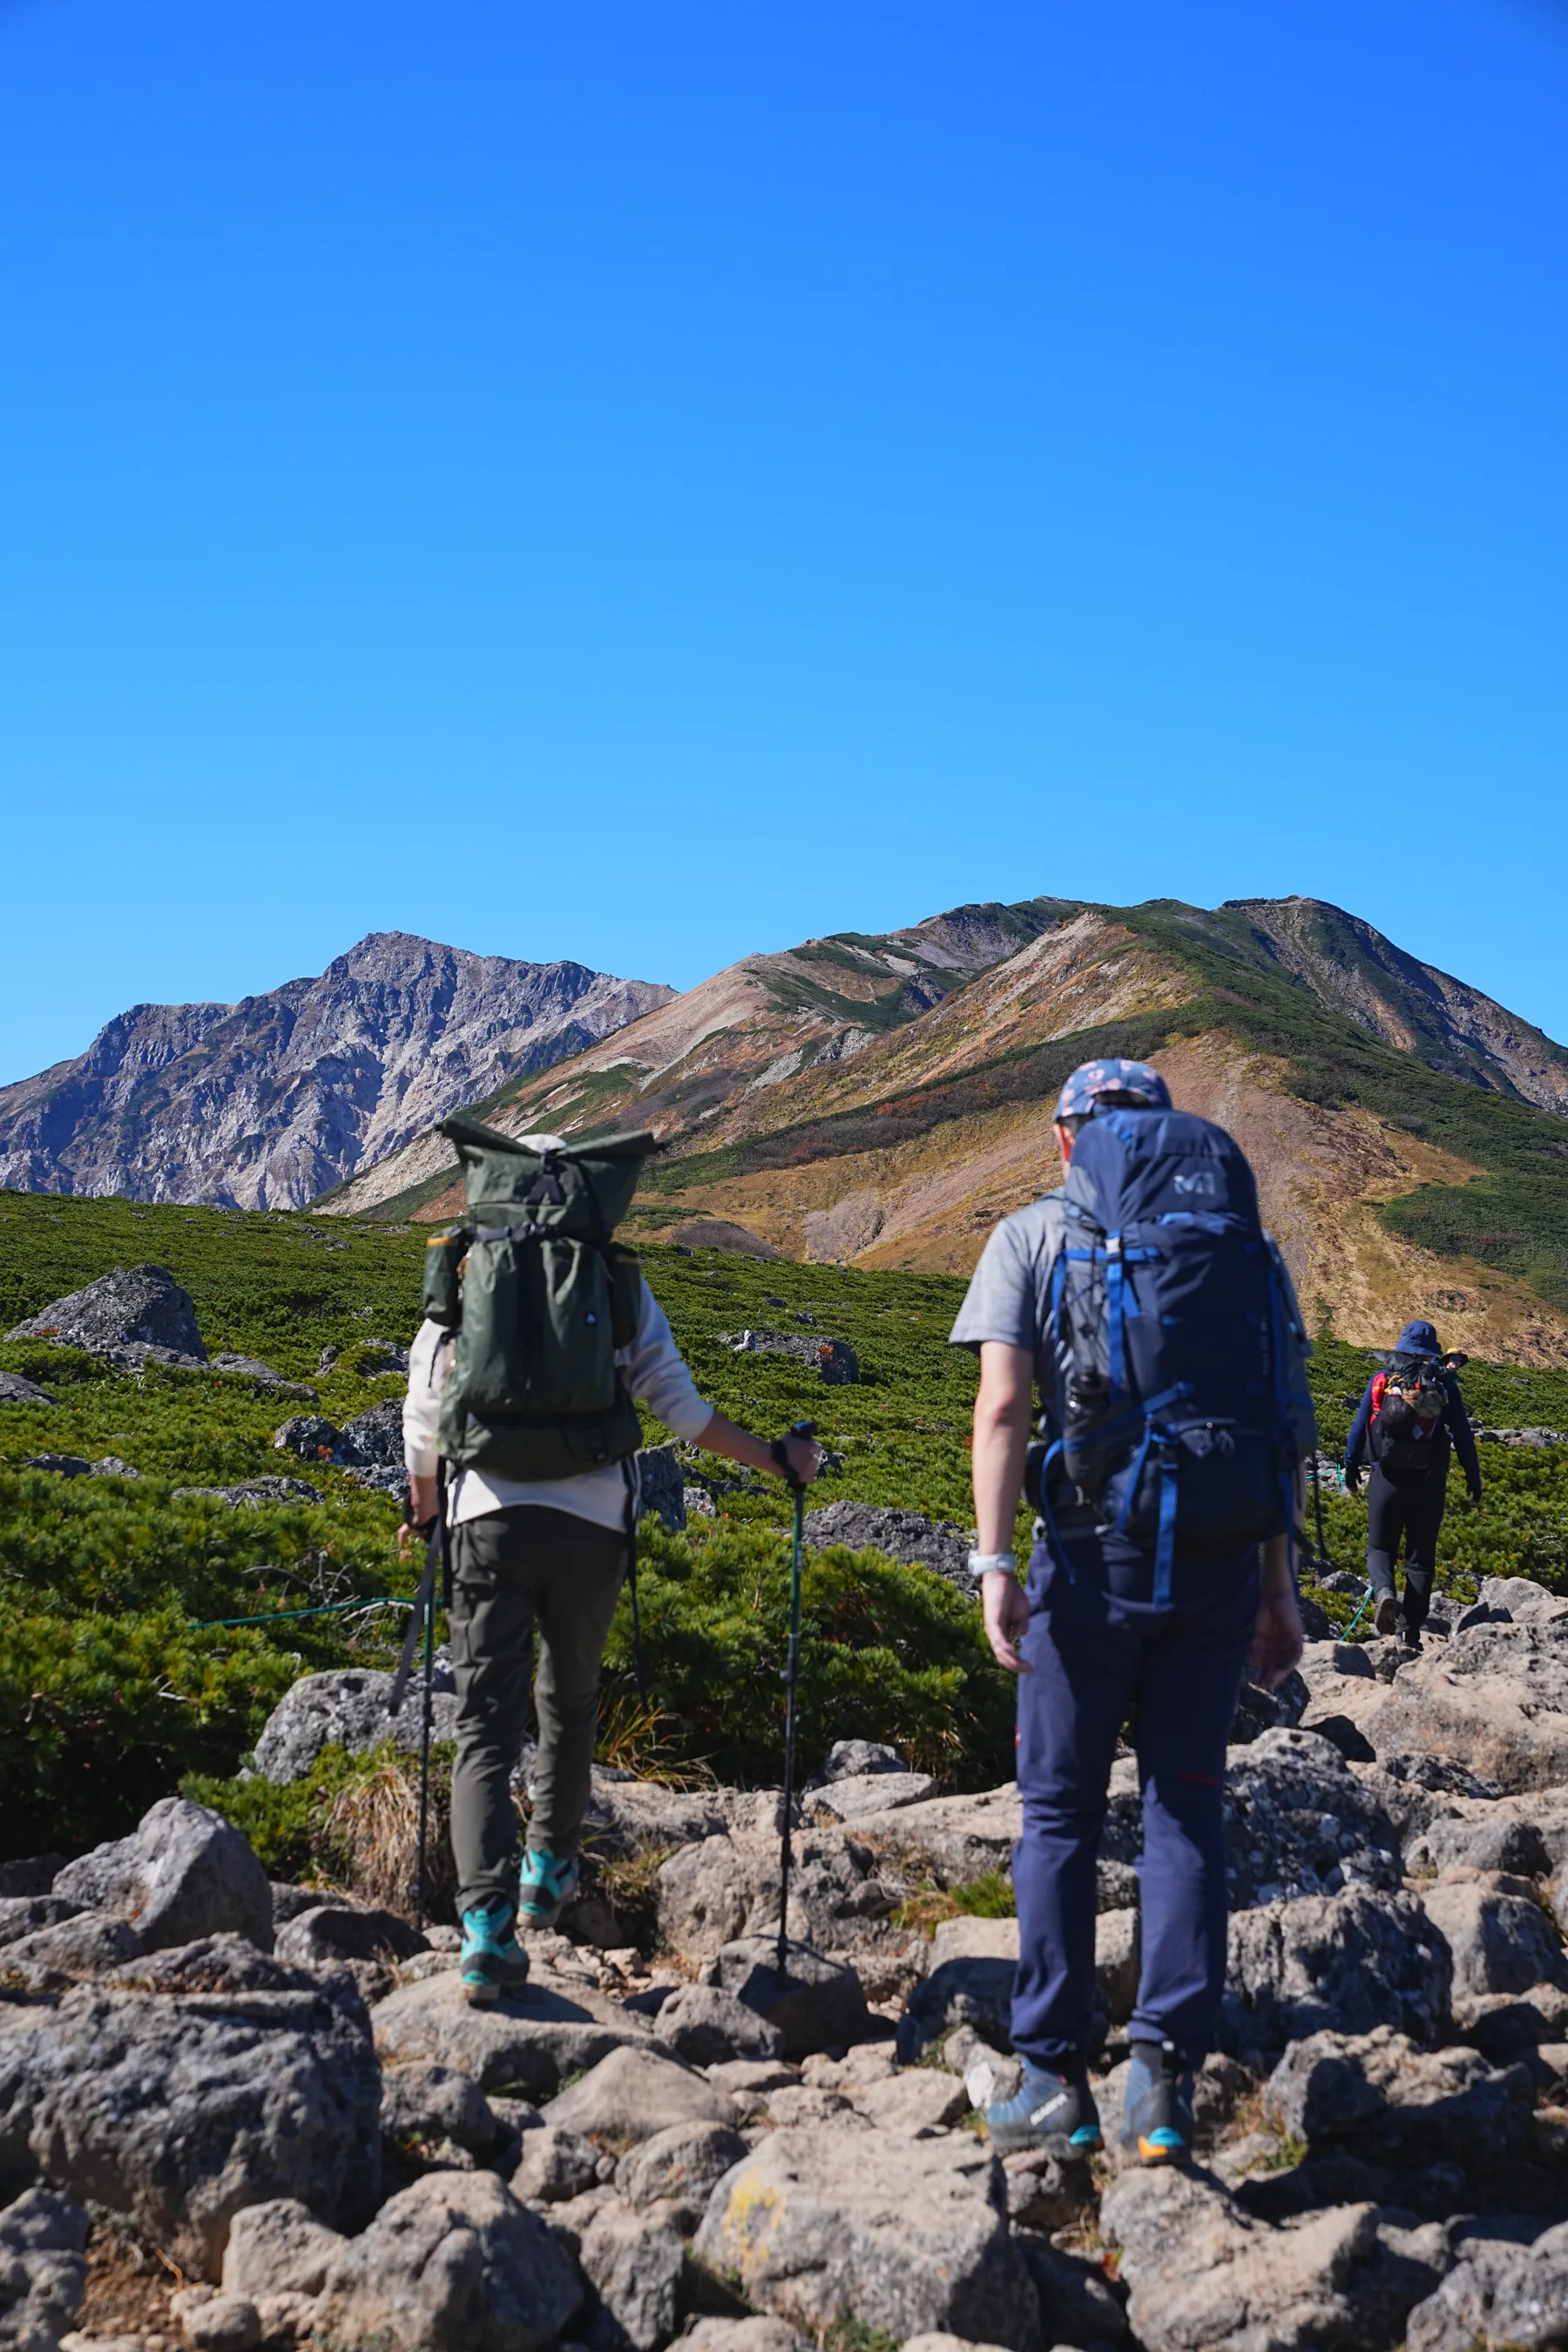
{"type": "Point", "coordinates": [633, 1499]}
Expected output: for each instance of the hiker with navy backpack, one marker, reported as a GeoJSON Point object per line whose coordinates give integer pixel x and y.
{"type": "Point", "coordinates": [1144, 1302]}
{"type": "Point", "coordinates": [540, 1338]}
{"type": "Point", "coordinates": [1410, 1422]}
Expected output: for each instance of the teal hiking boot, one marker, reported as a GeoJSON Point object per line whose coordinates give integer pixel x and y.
{"type": "Point", "coordinates": [549, 1882]}
{"type": "Point", "coordinates": [492, 1960]}
{"type": "Point", "coordinates": [1159, 2123]}
{"type": "Point", "coordinates": [1056, 2112]}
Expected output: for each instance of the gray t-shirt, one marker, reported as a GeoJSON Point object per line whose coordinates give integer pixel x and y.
{"type": "Point", "coordinates": [1008, 1297]}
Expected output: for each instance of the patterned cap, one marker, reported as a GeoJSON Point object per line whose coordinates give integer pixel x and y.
{"type": "Point", "coordinates": [1111, 1077]}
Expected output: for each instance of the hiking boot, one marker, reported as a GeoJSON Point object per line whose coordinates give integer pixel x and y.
{"type": "Point", "coordinates": [1386, 1616]}
{"type": "Point", "coordinates": [1159, 2123]}
{"type": "Point", "coordinates": [548, 1884]}
{"type": "Point", "coordinates": [1056, 2112]}
{"type": "Point", "coordinates": [492, 1961]}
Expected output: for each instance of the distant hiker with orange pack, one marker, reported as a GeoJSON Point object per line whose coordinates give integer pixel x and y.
{"type": "Point", "coordinates": [1154, 1316]}
{"type": "Point", "coordinates": [520, 1427]}
{"type": "Point", "coordinates": [1410, 1422]}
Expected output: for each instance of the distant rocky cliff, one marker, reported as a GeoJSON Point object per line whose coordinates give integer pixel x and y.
{"type": "Point", "coordinates": [267, 1103]}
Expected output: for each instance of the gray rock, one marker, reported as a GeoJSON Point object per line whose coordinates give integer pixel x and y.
{"type": "Point", "coordinates": [1500, 2298]}
{"type": "Point", "coordinates": [180, 2110]}
{"type": "Point", "coordinates": [15, 1390]}
{"type": "Point", "coordinates": [329, 1932]}
{"type": "Point", "coordinates": [1044, 2192]}
{"type": "Point", "coordinates": [817, 2004]}
{"type": "Point", "coordinates": [834, 1361]}
{"type": "Point", "coordinates": [526, 2044]}
{"type": "Point", "coordinates": [373, 1439]}
{"type": "Point", "coordinates": [109, 1466]}
{"type": "Point", "coordinates": [708, 2026]}
{"type": "Point", "coordinates": [382, 1356]}
{"type": "Point", "coordinates": [278, 2248]}
{"type": "Point", "coordinates": [852, 1760]}
{"type": "Point", "coordinates": [1347, 1962]}
{"type": "Point", "coordinates": [1204, 2272]}
{"type": "Point", "coordinates": [681, 2165]}
{"type": "Point", "coordinates": [1526, 1603]}
{"type": "Point", "coordinates": [634, 2262]}
{"type": "Point", "coordinates": [222, 2323]}
{"type": "Point", "coordinates": [1500, 1939]}
{"type": "Point", "coordinates": [1078, 2305]}
{"type": "Point", "coordinates": [906, 1535]}
{"type": "Point", "coordinates": [138, 1303]}
{"type": "Point", "coordinates": [958, 1839]}
{"type": "Point", "coordinates": [432, 2103]}
{"type": "Point", "coordinates": [858, 1800]}
{"type": "Point", "coordinates": [744, 2335]}
{"type": "Point", "coordinates": [1391, 2101]}
{"type": "Point", "coordinates": [557, 2165]}
{"type": "Point", "coordinates": [726, 1888]}
{"type": "Point", "coordinates": [61, 1466]}
{"type": "Point", "coordinates": [1496, 1696]}
{"type": "Point", "coordinates": [86, 1945]}
{"type": "Point", "coordinates": [969, 1982]}
{"type": "Point", "coordinates": [249, 1493]}
{"type": "Point", "coordinates": [344, 1709]}
{"type": "Point", "coordinates": [43, 2269]}
{"type": "Point", "coordinates": [919, 2100]}
{"type": "Point", "coordinates": [904, 2234]}
{"type": "Point", "coordinates": [661, 1486]}
{"type": "Point", "coordinates": [631, 2094]}
{"type": "Point", "coordinates": [28, 1914]}
{"type": "Point", "coordinates": [310, 1436]}
{"type": "Point", "coordinates": [454, 2264]}
{"type": "Point", "coordinates": [1297, 1822]}
{"type": "Point", "coordinates": [183, 1873]}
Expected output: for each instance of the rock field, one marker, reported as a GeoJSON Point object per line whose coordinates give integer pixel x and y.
{"type": "Point", "coordinates": [237, 2115]}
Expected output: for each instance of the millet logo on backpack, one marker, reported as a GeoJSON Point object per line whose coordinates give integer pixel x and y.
{"type": "Point", "coordinates": [1204, 1181]}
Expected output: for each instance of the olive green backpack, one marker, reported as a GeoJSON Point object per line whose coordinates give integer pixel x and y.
{"type": "Point", "coordinates": [539, 1296]}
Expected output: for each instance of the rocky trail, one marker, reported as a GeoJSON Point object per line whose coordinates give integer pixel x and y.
{"type": "Point", "coordinates": [237, 2114]}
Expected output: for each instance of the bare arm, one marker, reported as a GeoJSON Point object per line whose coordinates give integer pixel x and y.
{"type": "Point", "coordinates": [1277, 1639]}
{"type": "Point", "coordinates": [1004, 1408]}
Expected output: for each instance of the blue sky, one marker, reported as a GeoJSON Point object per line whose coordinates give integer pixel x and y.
{"type": "Point", "coordinates": [644, 484]}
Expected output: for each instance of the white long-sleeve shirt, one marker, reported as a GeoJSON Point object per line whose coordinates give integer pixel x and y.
{"type": "Point", "coordinates": [654, 1371]}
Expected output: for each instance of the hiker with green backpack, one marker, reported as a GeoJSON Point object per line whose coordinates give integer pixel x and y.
{"type": "Point", "coordinates": [541, 1338]}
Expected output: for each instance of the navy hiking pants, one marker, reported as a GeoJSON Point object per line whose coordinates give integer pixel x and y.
{"type": "Point", "coordinates": [1100, 1654]}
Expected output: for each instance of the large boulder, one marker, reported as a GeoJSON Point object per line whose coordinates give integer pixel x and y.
{"type": "Point", "coordinates": [134, 1306]}
{"type": "Point", "coordinates": [454, 2264]}
{"type": "Point", "coordinates": [863, 1797]}
{"type": "Point", "coordinates": [430, 2104]}
{"type": "Point", "coordinates": [1502, 2297]}
{"type": "Point", "coordinates": [901, 2235]}
{"type": "Point", "coordinates": [15, 1390]}
{"type": "Point", "coordinates": [631, 2094]}
{"type": "Point", "coordinates": [1206, 2277]}
{"type": "Point", "coordinates": [184, 1872]}
{"type": "Point", "coordinates": [43, 2269]}
{"type": "Point", "coordinates": [818, 2004]}
{"type": "Point", "coordinates": [373, 1440]}
{"type": "Point", "coordinates": [834, 1361]}
{"type": "Point", "coordinates": [1297, 1822]}
{"type": "Point", "coordinates": [724, 1888]}
{"type": "Point", "coordinates": [956, 1839]}
{"type": "Point", "coordinates": [345, 1708]}
{"type": "Point", "coordinates": [527, 2045]}
{"type": "Point", "coordinates": [326, 1932]}
{"type": "Point", "coordinates": [681, 2165]}
{"type": "Point", "coordinates": [709, 2027]}
{"type": "Point", "coordinates": [634, 2262]}
{"type": "Point", "coordinates": [1347, 1962]}
{"type": "Point", "coordinates": [181, 2109]}
{"type": "Point", "coordinates": [907, 1536]}
{"type": "Point", "coordinates": [1500, 1939]}
{"type": "Point", "coordinates": [1496, 1695]}
{"type": "Point", "coordinates": [1386, 2099]}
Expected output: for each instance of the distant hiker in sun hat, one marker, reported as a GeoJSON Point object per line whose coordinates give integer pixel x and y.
{"type": "Point", "coordinates": [1411, 1420]}
{"type": "Point", "coordinates": [1155, 1316]}
{"type": "Point", "coordinates": [541, 1337]}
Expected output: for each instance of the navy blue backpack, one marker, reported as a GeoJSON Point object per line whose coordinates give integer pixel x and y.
{"type": "Point", "coordinates": [1174, 1342]}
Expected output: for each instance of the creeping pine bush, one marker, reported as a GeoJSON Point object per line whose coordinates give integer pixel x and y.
{"type": "Point", "coordinates": [888, 1653]}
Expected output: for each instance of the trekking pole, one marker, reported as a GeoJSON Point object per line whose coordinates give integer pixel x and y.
{"type": "Point", "coordinates": [437, 1548]}
{"type": "Point", "coordinates": [792, 1686]}
{"type": "Point", "coordinates": [1323, 1553]}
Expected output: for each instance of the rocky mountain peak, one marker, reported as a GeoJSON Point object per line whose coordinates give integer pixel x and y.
{"type": "Point", "coordinates": [266, 1102]}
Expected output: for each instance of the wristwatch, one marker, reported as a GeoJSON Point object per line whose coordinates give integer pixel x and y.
{"type": "Point", "coordinates": [992, 1563]}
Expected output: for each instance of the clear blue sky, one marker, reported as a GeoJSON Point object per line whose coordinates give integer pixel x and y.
{"type": "Point", "coordinates": [643, 483]}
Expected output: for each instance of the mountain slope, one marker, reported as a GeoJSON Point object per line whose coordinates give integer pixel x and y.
{"type": "Point", "coordinates": [262, 1104]}
{"type": "Point", "coordinates": [1395, 1116]}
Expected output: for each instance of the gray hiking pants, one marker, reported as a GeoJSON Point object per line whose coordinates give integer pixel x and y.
{"type": "Point", "coordinates": [512, 1572]}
